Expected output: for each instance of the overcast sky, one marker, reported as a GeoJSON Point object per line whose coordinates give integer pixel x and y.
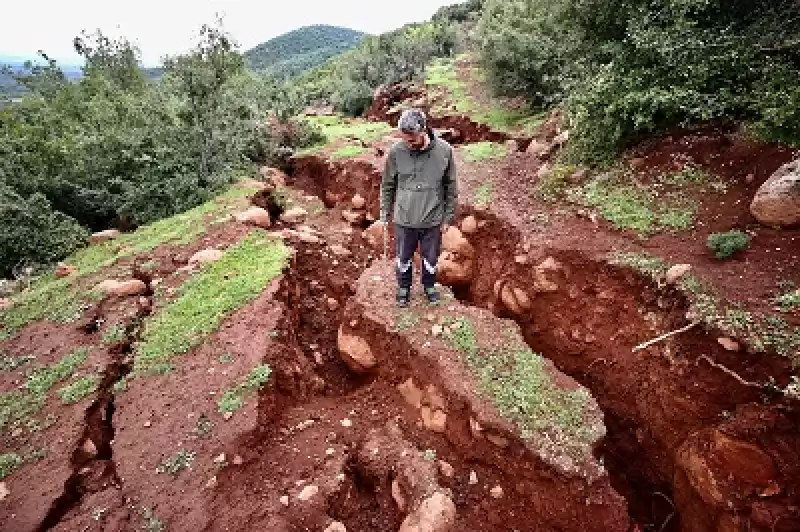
{"type": "Point", "coordinates": [162, 27]}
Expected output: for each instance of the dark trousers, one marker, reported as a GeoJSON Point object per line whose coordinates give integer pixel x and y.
{"type": "Point", "coordinates": [429, 241]}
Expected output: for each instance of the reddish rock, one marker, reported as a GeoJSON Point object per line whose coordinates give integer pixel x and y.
{"type": "Point", "coordinates": [254, 216]}
{"type": "Point", "coordinates": [104, 236]}
{"type": "Point", "coordinates": [777, 202]}
{"type": "Point", "coordinates": [677, 271]}
{"type": "Point", "coordinates": [469, 225]}
{"type": "Point", "coordinates": [5, 303]}
{"type": "Point", "coordinates": [358, 202]}
{"type": "Point", "coordinates": [294, 215]}
{"type": "Point", "coordinates": [353, 217]}
{"type": "Point", "coordinates": [454, 241]}
{"type": "Point", "coordinates": [437, 513]}
{"type": "Point", "coordinates": [355, 352]}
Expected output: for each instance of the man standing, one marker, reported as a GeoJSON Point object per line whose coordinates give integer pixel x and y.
{"type": "Point", "coordinates": [419, 190]}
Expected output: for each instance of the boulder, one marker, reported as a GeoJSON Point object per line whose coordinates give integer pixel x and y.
{"type": "Point", "coordinates": [777, 202]}
{"type": "Point", "coordinates": [539, 149]}
{"type": "Point", "coordinates": [353, 217]}
{"type": "Point", "coordinates": [355, 352]}
{"type": "Point", "coordinates": [437, 513]}
{"type": "Point", "coordinates": [65, 270]}
{"type": "Point", "coordinates": [254, 216]}
{"type": "Point", "coordinates": [358, 202]}
{"type": "Point", "coordinates": [104, 236]}
{"type": "Point", "coordinates": [111, 287]}
{"type": "Point", "coordinates": [675, 273]}
{"type": "Point", "coordinates": [205, 256]}
{"type": "Point", "coordinates": [294, 215]}
{"type": "Point", "coordinates": [454, 241]}
{"type": "Point", "coordinates": [433, 420]}
{"type": "Point", "coordinates": [452, 273]}
{"type": "Point", "coordinates": [469, 225]}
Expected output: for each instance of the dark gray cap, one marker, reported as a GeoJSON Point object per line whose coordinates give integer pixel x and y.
{"type": "Point", "coordinates": [412, 121]}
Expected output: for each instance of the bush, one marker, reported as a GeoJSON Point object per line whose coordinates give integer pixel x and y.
{"type": "Point", "coordinates": [726, 244]}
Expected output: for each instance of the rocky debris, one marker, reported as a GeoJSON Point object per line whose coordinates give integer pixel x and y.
{"type": "Point", "coordinates": [354, 217]}
{"type": "Point", "coordinates": [255, 216]}
{"type": "Point", "coordinates": [473, 478]}
{"type": "Point", "coordinates": [294, 215]}
{"type": "Point", "coordinates": [358, 202]}
{"type": "Point", "coordinates": [433, 420]}
{"type": "Point", "coordinates": [308, 493]}
{"type": "Point", "coordinates": [411, 393]}
{"type": "Point", "coordinates": [273, 176]}
{"type": "Point", "coordinates": [539, 149]}
{"type": "Point", "coordinates": [336, 526]}
{"type": "Point", "coordinates": [333, 305]}
{"type": "Point", "coordinates": [496, 492]}
{"type": "Point", "coordinates": [355, 352]}
{"type": "Point", "coordinates": [284, 500]}
{"type": "Point", "coordinates": [437, 513]}
{"type": "Point", "coordinates": [777, 202]}
{"type": "Point", "coordinates": [340, 251]}
{"type": "Point", "coordinates": [4, 491]}
{"type": "Point", "coordinates": [65, 270]}
{"type": "Point", "coordinates": [728, 344]}
{"type": "Point", "coordinates": [561, 138]}
{"type": "Point", "coordinates": [446, 469]}
{"type": "Point", "coordinates": [374, 235]}
{"type": "Point", "coordinates": [543, 281]}
{"type": "Point", "coordinates": [469, 225]}
{"type": "Point", "coordinates": [675, 273]}
{"type": "Point", "coordinates": [237, 460]}
{"type": "Point", "coordinates": [111, 287]}
{"type": "Point", "coordinates": [104, 236]}
{"type": "Point", "coordinates": [579, 176]}
{"type": "Point", "coordinates": [205, 256]}
{"type": "Point", "coordinates": [437, 330]}
{"type": "Point", "coordinates": [346, 423]}
{"type": "Point", "coordinates": [513, 298]}
{"type": "Point", "coordinates": [220, 459]}
{"type": "Point", "coordinates": [302, 236]}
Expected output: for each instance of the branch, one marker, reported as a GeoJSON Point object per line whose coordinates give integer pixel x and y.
{"type": "Point", "coordinates": [732, 373]}
{"type": "Point", "coordinates": [665, 336]}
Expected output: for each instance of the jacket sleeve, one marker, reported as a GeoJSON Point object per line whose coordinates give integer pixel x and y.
{"type": "Point", "coordinates": [450, 184]}
{"type": "Point", "coordinates": [388, 187]}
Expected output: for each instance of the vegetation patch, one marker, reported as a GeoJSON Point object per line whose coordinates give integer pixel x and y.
{"type": "Point", "coordinates": [176, 463]}
{"type": "Point", "coordinates": [348, 152]}
{"type": "Point", "coordinates": [551, 186]}
{"type": "Point", "coordinates": [483, 194]}
{"type": "Point", "coordinates": [521, 388]}
{"type": "Point", "coordinates": [484, 151]}
{"type": "Point", "coordinates": [724, 245]}
{"type": "Point", "coordinates": [336, 127]}
{"type": "Point", "coordinates": [223, 286]}
{"type": "Point", "coordinates": [114, 334]}
{"type": "Point", "coordinates": [441, 72]}
{"type": "Point", "coordinates": [789, 301]}
{"type": "Point", "coordinates": [233, 398]}
{"type": "Point", "coordinates": [9, 363]}
{"type": "Point", "coordinates": [634, 207]}
{"type": "Point", "coordinates": [9, 462]}
{"type": "Point", "coordinates": [80, 389]}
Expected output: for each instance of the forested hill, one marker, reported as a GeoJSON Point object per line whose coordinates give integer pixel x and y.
{"type": "Point", "coordinates": [292, 53]}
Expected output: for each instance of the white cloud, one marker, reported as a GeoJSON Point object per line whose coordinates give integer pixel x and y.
{"type": "Point", "coordinates": [168, 26]}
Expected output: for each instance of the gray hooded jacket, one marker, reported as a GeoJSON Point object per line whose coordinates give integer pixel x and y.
{"type": "Point", "coordinates": [419, 187]}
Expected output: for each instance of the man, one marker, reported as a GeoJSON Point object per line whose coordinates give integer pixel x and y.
{"type": "Point", "coordinates": [419, 190]}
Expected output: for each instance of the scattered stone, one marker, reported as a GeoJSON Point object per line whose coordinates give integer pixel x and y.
{"type": "Point", "coordinates": [475, 428]}
{"type": "Point", "coordinates": [473, 478]}
{"type": "Point", "coordinates": [410, 392]}
{"type": "Point", "coordinates": [497, 440]}
{"type": "Point", "coordinates": [579, 176]}
{"type": "Point", "coordinates": [358, 202]}
{"type": "Point", "coordinates": [89, 447]}
{"type": "Point", "coordinates": [433, 420]}
{"type": "Point", "coordinates": [346, 423]}
{"type": "Point", "coordinates": [496, 492]}
{"type": "Point", "coordinates": [330, 452]}
{"type": "Point", "coordinates": [284, 500]}
{"type": "Point", "coordinates": [148, 424]}
{"type": "Point", "coordinates": [435, 398]}
{"type": "Point", "coordinates": [340, 251]}
{"type": "Point", "coordinates": [355, 352]}
{"type": "Point", "coordinates": [212, 482]}
{"type": "Point", "coordinates": [354, 217]}
{"type": "Point", "coordinates": [133, 287]}
{"type": "Point", "coordinates": [437, 513]}
{"type": "Point", "coordinates": [336, 526]}
{"type": "Point", "coordinates": [777, 202]}
{"type": "Point", "coordinates": [104, 236]}
{"type": "Point", "coordinates": [437, 330]}
{"type": "Point", "coordinates": [220, 459]}
{"type": "Point", "coordinates": [446, 469]}
{"type": "Point", "coordinates": [308, 492]}
{"type": "Point", "coordinates": [521, 259]}
{"type": "Point", "coordinates": [205, 256]}
{"type": "Point", "coordinates": [294, 215]}
{"type": "Point", "coordinates": [543, 171]}
{"type": "Point", "coordinates": [65, 270]}
{"type": "Point", "coordinates": [677, 271]}
{"type": "Point", "coordinates": [728, 344]}
{"type": "Point", "coordinates": [749, 178]}
{"type": "Point", "coordinates": [469, 225]}
{"type": "Point", "coordinates": [4, 491]}
{"type": "Point", "coordinates": [333, 305]}
{"type": "Point", "coordinates": [374, 235]}
{"type": "Point", "coordinates": [254, 216]}
{"type": "Point", "coordinates": [227, 416]}
{"type": "Point", "coordinates": [538, 148]}
{"type": "Point", "coordinates": [397, 495]}
{"type": "Point", "coordinates": [237, 460]}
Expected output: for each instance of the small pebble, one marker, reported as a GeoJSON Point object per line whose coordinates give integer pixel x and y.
{"type": "Point", "coordinates": [347, 423]}
{"type": "Point", "coordinates": [473, 478]}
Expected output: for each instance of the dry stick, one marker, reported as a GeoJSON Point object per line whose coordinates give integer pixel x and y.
{"type": "Point", "coordinates": [665, 336]}
{"type": "Point", "coordinates": [731, 373]}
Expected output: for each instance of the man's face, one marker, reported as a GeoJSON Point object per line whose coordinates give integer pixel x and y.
{"type": "Point", "coordinates": [415, 141]}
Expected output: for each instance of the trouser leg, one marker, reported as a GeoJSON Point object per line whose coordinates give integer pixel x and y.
{"type": "Point", "coordinates": [430, 243]}
{"type": "Point", "coordinates": [406, 239]}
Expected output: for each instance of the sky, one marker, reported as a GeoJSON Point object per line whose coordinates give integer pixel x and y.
{"type": "Point", "coordinates": [164, 27]}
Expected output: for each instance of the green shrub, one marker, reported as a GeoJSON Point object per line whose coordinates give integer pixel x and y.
{"type": "Point", "coordinates": [726, 244]}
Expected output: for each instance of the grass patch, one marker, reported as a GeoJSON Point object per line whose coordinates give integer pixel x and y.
{"type": "Point", "coordinates": [725, 245]}
{"type": "Point", "coordinates": [690, 175]}
{"type": "Point", "coordinates": [483, 194]}
{"type": "Point", "coordinates": [551, 186]}
{"type": "Point", "coordinates": [641, 262]}
{"type": "Point", "coordinates": [789, 301]}
{"type": "Point", "coordinates": [178, 462]}
{"type": "Point", "coordinates": [509, 120]}
{"type": "Point", "coordinates": [9, 363]}
{"type": "Point", "coordinates": [634, 207]}
{"type": "Point", "coordinates": [405, 320]}
{"type": "Point", "coordinates": [223, 286]}
{"type": "Point", "coordinates": [484, 151]}
{"type": "Point", "coordinates": [441, 72]}
{"type": "Point", "coordinates": [60, 301]}
{"type": "Point", "coordinates": [517, 380]}
{"type": "Point", "coordinates": [9, 462]}
{"type": "Point", "coordinates": [336, 127]}
{"type": "Point", "coordinates": [347, 152]}
{"type": "Point", "coordinates": [233, 398]}
{"type": "Point", "coordinates": [114, 334]}
{"type": "Point", "coordinates": [78, 390]}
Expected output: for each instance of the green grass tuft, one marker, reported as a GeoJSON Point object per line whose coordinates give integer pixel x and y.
{"type": "Point", "coordinates": [178, 462]}
{"type": "Point", "coordinates": [347, 152]}
{"type": "Point", "coordinates": [233, 398]}
{"type": "Point", "coordinates": [336, 127]}
{"type": "Point", "coordinates": [9, 462]}
{"type": "Point", "coordinates": [789, 301]}
{"type": "Point", "coordinates": [114, 334]}
{"type": "Point", "coordinates": [724, 245]}
{"type": "Point", "coordinates": [78, 390]}
{"type": "Point", "coordinates": [223, 286]}
{"type": "Point", "coordinates": [484, 151]}
{"type": "Point", "coordinates": [483, 195]}
{"type": "Point", "coordinates": [9, 363]}
{"type": "Point", "coordinates": [551, 186]}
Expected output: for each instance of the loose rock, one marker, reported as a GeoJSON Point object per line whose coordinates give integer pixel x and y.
{"type": "Point", "coordinates": [307, 493]}
{"type": "Point", "coordinates": [336, 526]}
{"type": "Point", "coordinates": [65, 270]}
{"type": "Point", "coordinates": [205, 256]}
{"type": "Point", "coordinates": [284, 500]}
{"type": "Point", "coordinates": [4, 491]}
{"type": "Point", "coordinates": [469, 225]}
{"type": "Point", "coordinates": [6, 304]}
{"type": "Point", "coordinates": [473, 478]}
{"type": "Point", "coordinates": [496, 492]}
{"type": "Point", "coordinates": [433, 420]}
{"type": "Point", "coordinates": [677, 271]}
{"type": "Point", "coordinates": [358, 202]}
{"type": "Point", "coordinates": [353, 217]}
{"type": "Point", "coordinates": [340, 251]}
{"type": "Point", "coordinates": [254, 216]}
{"type": "Point", "coordinates": [410, 393]}
{"type": "Point", "coordinates": [777, 202]}
{"type": "Point", "coordinates": [446, 469]}
{"type": "Point", "coordinates": [728, 344]}
{"type": "Point", "coordinates": [294, 215]}
{"type": "Point", "coordinates": [437, 513]}
{"type": "Point", "coordinates": [237, 460]}
{"type": "Point", "coordinates": [355, 352]}
{"type": "Point", "coordinates": [104, 236]}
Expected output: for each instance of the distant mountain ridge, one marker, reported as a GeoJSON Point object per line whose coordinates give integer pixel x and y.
{"type": "Point", "coordinates": [294, 52]}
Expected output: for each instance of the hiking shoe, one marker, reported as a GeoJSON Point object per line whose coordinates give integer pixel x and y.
{"type": "Point", "coordinates": [432, 295]}
{"type": "Point", "coordinates": [403, 297]}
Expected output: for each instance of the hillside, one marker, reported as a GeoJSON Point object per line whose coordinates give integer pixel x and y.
{"type": "Point", "coordinates": [292, 53]}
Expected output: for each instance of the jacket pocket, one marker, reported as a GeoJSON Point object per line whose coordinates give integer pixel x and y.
{"type": "Point", "coordinates": [419, 204]}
